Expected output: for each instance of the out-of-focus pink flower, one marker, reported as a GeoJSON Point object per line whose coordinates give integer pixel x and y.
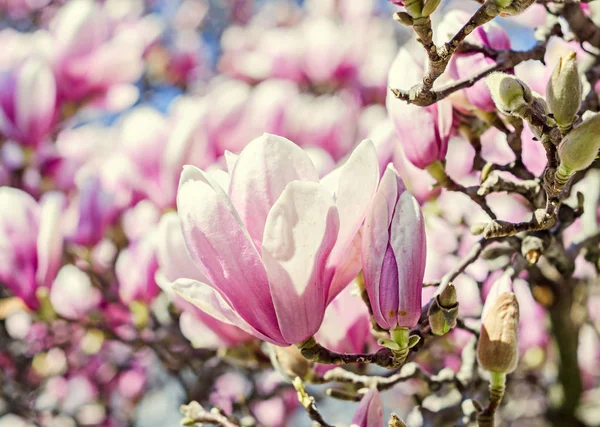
{"type": "Point", "coordinates": [135, 269]}
{"type": "Point", "coordinates": [72, 295]}
{"type": "Point", "coordinates": [18, 9]}
{"type": "Point", "coordinates": [174, 262]}
{"type": "Point", "coordinates": [92, 52]}
{"type": "Point", "coordinates": [393, 254]}
{"type": "Point", "coordinates": [370, 410]}
{"type": "Point", "coordinates": [423, 132]}
{"type": "Point", "coordinates": [31, 242]}
{"type": "Point", "coordinates": [463, 66]}
{"type": "Point", "coordinates": [132, 382]}
{"type": "Point", "coordinates": [27, 102]}
{"type": "Point", "coordinates": [533, 329]}
{"type": "Point", "coordinates": [282, 243]}
{"type": "Point", "coordinates": [90, 214]}
{"type": "Point", "coordinates": [346, 327]}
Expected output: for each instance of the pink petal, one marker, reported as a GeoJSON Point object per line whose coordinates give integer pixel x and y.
{"type": "Point", "coordinates": [375, 240]}
{"type": "Point", "coordinates": [50, 239]}
{"type": "Point", "coordinates": [300, 232]}
{"type": "Point", "coordinates": [407, 238]}
{"type": "Point", "coordinates": [221, 247]}
{"type": "Point", "coordinates": [356, 185]}
{"type": "Point", "coordinates": [211, 302]}
{"type": "Point", "coordinates": [261, 172]}
{"type": "Point", "coordinates": [370, 411]}
{"type": "Point", "coordinates": [174, 260]}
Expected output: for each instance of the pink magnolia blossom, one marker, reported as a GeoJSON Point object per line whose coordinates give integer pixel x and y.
{"type": "Point", "coordinates": [31, 242]}
{"type": "Point", "coordinates": [27, 102]}
{"type": "Point", "coordinates": [135, 269]}
{"type": "Point", "coordinates": [279, 245]}
{"type": "Point", "coordinates": [423, 132]}
{"type": "Point", "coordinates": [370, 411]}
{"type": "Point", "coordinates": [72, 295]}
{"type": "Point", "coordinates": [393, 254]}
{"type": "Point", "coordinates": [92, 53]}
{"type": "Point", "coordinates": [90, 213]}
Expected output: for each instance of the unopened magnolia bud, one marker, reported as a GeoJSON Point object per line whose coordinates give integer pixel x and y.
{"type": "Point", "coordinates": [514, 7]}
{"type": "Point", "coordinates": [403, 18]}
{"type": "Point", "coordinates": [289, 362]}
{"type": "Point", "coordinates": [563, 91]}
{"type": "Point", "coordinates": [578, 149]}
{"type": "Point", "coordinates": [510, 94]}
{"type": "Point", "coordinates": [443, 311]}
{"type": "Point", "coordinates": [414, 7]}
{"type": "Point", "coordinates": [498, 349]}
{"type": "Point", "coordinates": [430, 6]}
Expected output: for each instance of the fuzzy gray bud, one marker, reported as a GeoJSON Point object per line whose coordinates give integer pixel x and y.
{"type": "Point", "coordinates": [579, 148]}
{"type": "Point", "coordinates": [510, 94]}
{"type": "Point", "coordinates": [563, 91]}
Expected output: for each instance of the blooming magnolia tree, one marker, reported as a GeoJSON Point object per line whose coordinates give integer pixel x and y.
{"type": "Point", "coordinates": [266, 212]}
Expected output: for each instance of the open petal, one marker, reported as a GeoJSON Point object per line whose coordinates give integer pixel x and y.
{"type": "Point", "coordinates": [357, 183]}
{"type": "Point", "coordinates": [174, 260]}
{"type": "Point", "coordinates": [300, 232]}
{"type": "Point", "coordinates": [212, 303]}
{"type": "Point", "coordinates": [219, 244]}
{"type": "Point", "coordinates": [260, 174]}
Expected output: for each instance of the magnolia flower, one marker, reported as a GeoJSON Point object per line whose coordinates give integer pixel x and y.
{"type": "Point", "coordinates": [91, 54]}
{"type": "Point", "coordinates": [135, 269]}
{"type": "Point", "coordinates": [30, 242]}
{"type": "Point", "coordinates": [277, 244]}
{"type": "Point", "coordinates": [423, 132]}
{"type": "Point", "coordinates": [72, 295]}
{"type": "Point", "coordinates": [27, 102]}
{"type": "Point", "coordinates": [393, 254]}
{"type": "Point", "coordinates": [370, 411]}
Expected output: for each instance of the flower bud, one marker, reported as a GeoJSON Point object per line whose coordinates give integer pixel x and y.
{"type": "Point", "coordinates": [509, 93]}
{"type": "Point", "coordinates": [370, 411]}
{"type": "Point", "coordinates": [498, 349]}
{"type": "Point", "coordinates": [579, 148]}
{"type": "Point", "coordinates": [290, 363]}
{"type": "Point", "coordinates": [514, 7]}
{"type": "Point", "coordinates": [21, 119]}
{"type": "Point", "coordinates": [563, 91]}
{"type": "Point", "coordinates": [443, 311]}
{"type": "Point", "coordinates": [393, 254]}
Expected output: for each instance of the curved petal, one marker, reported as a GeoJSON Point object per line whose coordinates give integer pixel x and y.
{"type": "Point", "coordinates": [211, 302]}
{"type": "Point", "coordinates": [260, 174]}
{"type": "Point", "coordinates": [174, 260]}
{"type": "Point", "coordinates": [221, 247]}
{"type": "Point", "coordinates": [376, 244]}
{"type": "Point", "coordinates": [300, 232]}
{"type": "Point", "coordinates": [407, 239]}
{"type": "Point", "coordinates": [50, 239]}
{"type": "Point", "coordinates": [375, 237]}
{"type": "Point", "coordinates": [370, 411]}
{"type": "Point", "coordinates": [357, 183]}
